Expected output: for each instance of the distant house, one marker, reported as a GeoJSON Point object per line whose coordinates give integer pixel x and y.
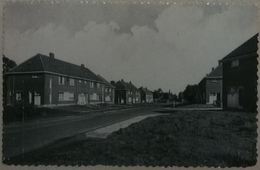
{"type": "Point", "coordinates": [214, 86]}
{"type": "Point", "coordinates": [146, 95]}
{"type": "Point", "coordinates": [240, 76]}
{"type": "Point", "coordinates": [109, 91]}
{"type": "Point", "coordinates": [210, 87]}
{"type": "Point", "coordinates": [126, 93]}
{"type": "Point", "coordinates": [202, 91]}
{"type": "Point", "coordinates": [46, 81]}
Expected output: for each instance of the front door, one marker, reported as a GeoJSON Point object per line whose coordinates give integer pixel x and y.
{"type": "Point", "coordinates": [82, 99]}
{"type": "Point", "coordinates": [37, 99]}
{"type": "Point", "coordinates": [233, 98]}
{"type": "Point", "coordinates": [212, 98]}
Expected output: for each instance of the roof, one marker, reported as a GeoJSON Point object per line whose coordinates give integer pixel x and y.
{"type": "Point", "coordinates": [43, 63]}
{"type": "Point", "coordinates": [105, 81]}
{"type": "Point", "coordinates": [217, 72]}
{"type": "Point", "coordinates": [124, 85]}
{"type": "Point", "coordinates": [250, 46]}
{"type": "Point", "coordinates": [146, 90]}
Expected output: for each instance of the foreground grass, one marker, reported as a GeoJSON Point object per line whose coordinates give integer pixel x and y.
{"type": "Point", "coordinates": [183, 138]}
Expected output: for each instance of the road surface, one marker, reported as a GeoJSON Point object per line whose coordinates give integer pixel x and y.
{"type": "Point", "coordinates": [24, 137]}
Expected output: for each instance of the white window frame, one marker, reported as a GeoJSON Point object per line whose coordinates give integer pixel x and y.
{"type": "Point", "coordinates": [72, 82]}
{"type": "Point", "coordinates": [18, 96]}
{"type": "Point", "coordinates": [61, 96]}
{"type": "Point", "coordinates": [61, 80]}
{"type": "Point", "coordinates": [235, 63]}
{"type": "Point", "coordinates": [91, 84]}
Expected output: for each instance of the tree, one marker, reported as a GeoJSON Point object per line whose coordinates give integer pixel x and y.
{"type": "Point", "coordinates": [8, 64]}
{"type": "Point", "coordinates": [191, 94]}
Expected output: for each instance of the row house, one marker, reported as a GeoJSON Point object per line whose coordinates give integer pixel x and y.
{"type": "Point", "coordinates": [109, 91]}
{"type": "Point", "coordinates": [46, 81]}
{"type": "Point", "coordinates": [213, 86]}
{"type": "Point", "coordinates": [240, 76]}
{"type": "Point", "coordinates": [146, 95]}
{"type": "Point", "coordinates": [126, 93]}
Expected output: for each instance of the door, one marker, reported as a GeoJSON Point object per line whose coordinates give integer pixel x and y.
{"type": "Point", "coordinates": [82, 99]}
{"type": "Point", "coordinates": [233, 98]}
{"type": "Point", "coordinates": [37, 99]}
{"type": "Point", "coordinates": [212, 98]}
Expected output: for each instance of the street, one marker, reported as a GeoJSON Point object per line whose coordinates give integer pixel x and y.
{"type": "Point", "coordinates": [27, 137]}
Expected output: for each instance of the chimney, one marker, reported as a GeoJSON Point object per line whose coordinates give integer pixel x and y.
{"type": "Point", "coordinates": [212, 69]}
{"type": "Point", "coordinates": [51, 55]}
{"type": "Point", "coordinates": [82, 66]}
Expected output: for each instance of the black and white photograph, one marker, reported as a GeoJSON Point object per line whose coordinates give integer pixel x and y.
{"type": "Point", "coordinates": [129, 83]}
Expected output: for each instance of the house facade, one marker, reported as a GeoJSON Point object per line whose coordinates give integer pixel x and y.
{"type": "Point", "coordinates": [126, 93]}
{"type": "Point", "coordinates": [240, 77]}
{"type": "Point", "coordinates": [214, 86]}
{"type": "Point", "coordinates": [146, 95]}
{"type": "Point", "coordinates": [109, 91]}
{"type": "Point", "coordinates": [210, 87]}
{"type": "Point", "coordinates": [46, 81]}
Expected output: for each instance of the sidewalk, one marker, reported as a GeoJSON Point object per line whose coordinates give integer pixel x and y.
{"type": "Point", "coordinates": [107, 130]}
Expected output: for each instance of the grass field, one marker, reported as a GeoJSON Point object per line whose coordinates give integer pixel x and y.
{"type": "Point", "coordinates": [183, 138]}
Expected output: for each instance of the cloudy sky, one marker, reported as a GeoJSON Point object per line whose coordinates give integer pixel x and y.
{"type": "Point", "coordinates": [156, 46]}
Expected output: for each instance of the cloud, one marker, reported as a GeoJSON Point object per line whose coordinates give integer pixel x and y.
{"type": "Point", "coordinates": [186, 43]}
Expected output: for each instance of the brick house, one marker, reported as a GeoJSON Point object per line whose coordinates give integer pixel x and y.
{"type": "Point", "coordinates": [214, 86]}
{"type": "Point", "coordinates": [46, 81]}
{"type": "Point", "coordinates": [210, 87]}
{"type": "Point", "coordinates": [126, 93]}
{"type": "Point", "coordinates": [202, 91]}
{"type": "Point", "coordinates": [146, 95]}
{"type": "Point", "coordinates": [109, 91]}
{"type": "Point", "coordinates": [240, 76]}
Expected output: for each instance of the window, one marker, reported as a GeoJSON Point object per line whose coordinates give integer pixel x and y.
{"type": "Point", "coordinates": [61, 80]}
{"type": "Point", "coordinates": [18, 96]}
{"type": "Point", "coordinates": [98, 85]}
{"type": "Point", "coordinates": [214, 81]}
{"type": "Point", "coordinates": [66, 96]}
{"type": "Point", "coordinates": [235, 63]}
{"type": "Point", "coordinates": [35, 77]}
{"type": "Point", "coordinates": [71, 82]}
{"type": "Point", "coordinates": [92, 84]}
{"type": "Point", "coordinates": [80, 81]}
{"type": "Point", "coordinates": [94, 96]}
{"type": "Point", "coordinates": [85, 82]}
{"type": "Point", "coordinates": [61, 96]}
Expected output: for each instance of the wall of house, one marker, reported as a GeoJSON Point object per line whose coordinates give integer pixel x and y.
{"type": "Point", "coordinates": [244, 78]}
{"type": "Point", "coordinates": [25, 89]}
{"type": "Point", "coordinates": [109, 95]}
{"type": "Point", "coordinates": [121, 96]}
{"type": "Point", "coordinates": [82, 92]}
{"type": "Point", "coordinates": [214, 86]}
{"type": "Point", "coordinates": [149, 98]}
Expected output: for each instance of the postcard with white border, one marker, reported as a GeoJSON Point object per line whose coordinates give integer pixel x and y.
{"type": "Point", "coordinates": [129, 83]}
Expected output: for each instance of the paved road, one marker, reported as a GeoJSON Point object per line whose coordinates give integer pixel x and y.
{"type": "Point", "coordinates": [27, 137]}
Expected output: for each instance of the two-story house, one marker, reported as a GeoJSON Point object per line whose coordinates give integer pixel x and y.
{"type": "Point", "coordinates": [126, 93]}
{"type": "Point", "coordinates": [240, 76]}
{"type": "Point", "coordinates": [46, 81]}
{"type": "Point", "coordinates": [146, 95]}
